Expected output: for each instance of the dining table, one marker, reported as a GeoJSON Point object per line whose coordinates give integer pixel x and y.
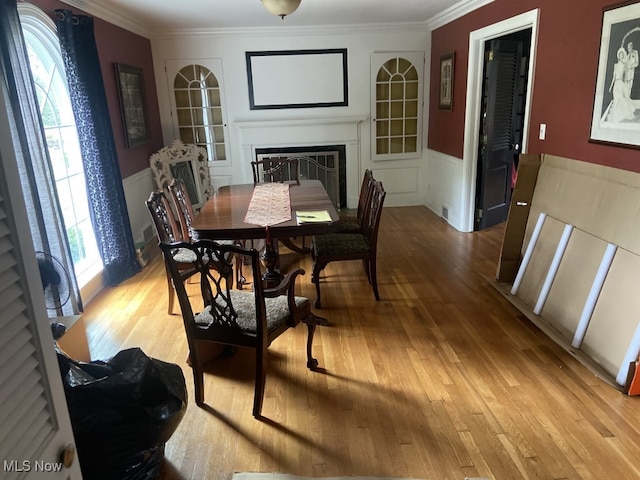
{"type": "Point", "coordinates": [223, 215]}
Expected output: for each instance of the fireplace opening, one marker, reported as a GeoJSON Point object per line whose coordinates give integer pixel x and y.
{"type": "Point", "coordinates": [326, 163]}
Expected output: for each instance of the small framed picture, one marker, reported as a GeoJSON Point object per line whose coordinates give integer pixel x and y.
{"type": "Point", "coordinates": [132, 104]}
{"type": "Point", "coordinates": [616, 105]}
{"type": "Point", "coordinates": [447, 64]}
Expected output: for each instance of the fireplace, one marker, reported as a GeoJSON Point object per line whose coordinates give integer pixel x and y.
{"type": "Point", "coordinates": [293, 136]}
{"type": "Point", "coordinates": [326, 163]}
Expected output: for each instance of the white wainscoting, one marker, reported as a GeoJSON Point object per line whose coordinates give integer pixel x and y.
{"type": "Point", "coordinates": [444, 186]}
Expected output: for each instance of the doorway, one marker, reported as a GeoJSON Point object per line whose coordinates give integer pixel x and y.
{"type": "Point", "coordinates": [503, 103]}
{"type": "Point", "coordinates": [475, 71]}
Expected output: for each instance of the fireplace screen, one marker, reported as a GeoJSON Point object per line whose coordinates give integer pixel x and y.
{"type": "Point", "coordinates": [323, 166]}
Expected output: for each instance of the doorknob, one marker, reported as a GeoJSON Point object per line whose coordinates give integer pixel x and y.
{"type": "Point", "coordinates": [68, 455]}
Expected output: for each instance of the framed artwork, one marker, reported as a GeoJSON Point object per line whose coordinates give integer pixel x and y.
{"type": "Point", "coordinates": [445, 96]}
{"type": "Point", "coordinates": [132, 104]}
{"type": "Point", "coordinates": [297, 79]}
{"type": "Point", "coordinates": [616, 105]}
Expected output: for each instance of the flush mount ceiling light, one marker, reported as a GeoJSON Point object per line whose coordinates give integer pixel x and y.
{"type": "Point", "coordinates": [282, 8]}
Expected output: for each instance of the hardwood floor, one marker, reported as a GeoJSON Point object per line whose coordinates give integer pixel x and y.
{"type": "Point", "coordinates": [440, 379]}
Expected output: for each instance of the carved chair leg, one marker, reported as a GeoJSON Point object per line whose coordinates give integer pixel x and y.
{"type": "Point", "coordinates": [312, 363]}
{"type": "Point", "coordinates": [374, 279]}
{"type": "Point", "coordinates": [261, 376]}
{"type": "Point", "coordinates": [315, 278]}
{"type": "Point", "coordinates": [198, 380]}
{"type": "Point", "coordinates": [240, 280]}
{"type": "Point", "coordinates": [367, 270]}
{"type": "Point", "coordinates": [312, 321]}
{"type": "Point", "coordinates": [170, 291]}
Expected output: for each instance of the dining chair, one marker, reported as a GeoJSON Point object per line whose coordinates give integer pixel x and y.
{"type": "Point", "coordinates": [186, 214]}
{"type": "Point", "coordinates": [334, 247]}
{"type": "Point", "coordinates": [167, 230]}
{"type": "Point", "coordinates": [276, 169]}
{"type": "Point", "coordinates": [215, 313]}
{"type": "Point", "coordinates": [350, 223]}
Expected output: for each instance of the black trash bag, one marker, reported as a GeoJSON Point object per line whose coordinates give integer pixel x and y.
{"type": "Point", "coordinates": [122, 413]}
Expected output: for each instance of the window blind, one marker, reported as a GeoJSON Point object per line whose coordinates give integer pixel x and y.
{"type": "Point", "coordinates": [26, 422]}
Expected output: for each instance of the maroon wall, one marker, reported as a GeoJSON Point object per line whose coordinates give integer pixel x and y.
{"type": "Point", "coordinates": [564, 82]}
{"type": "Point", "coordinates": [116, 45]}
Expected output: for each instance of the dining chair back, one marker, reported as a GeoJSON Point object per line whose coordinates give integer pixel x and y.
{"type": "Point", "coordinates": [350, 223]}
{"type": "Point", "coordinates": [183, 205]}
{"type": "Point", "coordinates": [363, 246]}
{"type": "Point", "coordinates": [186, 214]}
{"type": "Point", "coordinates": [167, 231]}
{"type": "Point", "coordinates": [276, 169]}
{"type": "Point", "coordinates": [213, 312]}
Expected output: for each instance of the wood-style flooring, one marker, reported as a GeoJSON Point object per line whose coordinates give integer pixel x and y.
{"type": "Point", "coordinates": [440, 379]}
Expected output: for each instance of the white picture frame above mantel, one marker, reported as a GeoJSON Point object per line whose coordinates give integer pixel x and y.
{"type": "Point", "coordinates": [297, 79]}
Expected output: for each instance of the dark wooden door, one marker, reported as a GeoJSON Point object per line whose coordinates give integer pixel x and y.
{"type": "Point", "coordinates": [504, 87]}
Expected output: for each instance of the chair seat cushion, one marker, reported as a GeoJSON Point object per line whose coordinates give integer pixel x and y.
{"type": "Point", "coordinates": [348, 224]}
{"type": "Point", "coordinates": [245, 306]}
{"type": "Point", "coordinates": [336, 244]}
{"type": "Point", "coordinates": [184, 255]}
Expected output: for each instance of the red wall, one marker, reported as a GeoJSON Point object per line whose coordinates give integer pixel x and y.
{"type": "Point", "coordinates": [116, 45]}
{"type": "Point", "coordinates": [564, 82]}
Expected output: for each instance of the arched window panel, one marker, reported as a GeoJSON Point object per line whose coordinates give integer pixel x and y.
{"type": "Point", "coordinates": [199, 114]}
{"type": "Point", "coordinates": [397, 108]}
{"type": "Point", "coordinates": [47, 69]}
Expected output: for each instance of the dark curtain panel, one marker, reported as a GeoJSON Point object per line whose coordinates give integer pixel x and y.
{"type": "Point", "coordinates": [38, 184]}
{"type": "Point", "coordinates": [104, 181]}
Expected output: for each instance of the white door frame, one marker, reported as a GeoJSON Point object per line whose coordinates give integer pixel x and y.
{"type": "Point", "coordinates": [477, 39]}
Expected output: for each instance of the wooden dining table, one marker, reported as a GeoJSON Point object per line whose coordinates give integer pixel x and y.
{"type": "Point", "coordinates": [222, 218]}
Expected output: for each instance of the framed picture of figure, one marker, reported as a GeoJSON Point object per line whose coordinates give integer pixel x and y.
{"type": "Point", "coordinates": [447, 64]}
{"type": "Point", "coordinates": [616, 106]}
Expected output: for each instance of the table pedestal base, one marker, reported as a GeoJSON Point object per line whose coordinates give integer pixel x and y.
{"type": "Point", "coordinates": [269, 258]}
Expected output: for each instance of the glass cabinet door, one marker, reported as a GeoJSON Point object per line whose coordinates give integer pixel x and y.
{"type": "Point", "coordinates": [397, 105]}
{"type": "Point", "coordinates": [198, 108]}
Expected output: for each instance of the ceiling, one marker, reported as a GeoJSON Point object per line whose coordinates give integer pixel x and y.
{"type": "Point", "coordinates": [161, 15]}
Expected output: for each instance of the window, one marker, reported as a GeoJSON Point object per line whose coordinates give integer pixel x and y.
{"type": "Point", "coordinates": [62, 140]}
{"type": "Point", "coordinates": [199, 110]}
{"type": "Point", "coordinates": [397, 109]}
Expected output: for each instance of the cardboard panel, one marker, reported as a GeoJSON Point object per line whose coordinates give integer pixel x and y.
{"type": "Point", "coordinates": [528, 166]}
{"type": "Point", "coordinates": [602, 201]}
{"type": "Point", "coordinates": [573, 282]}
{"type": "Point", "coordinates": [616, 314]}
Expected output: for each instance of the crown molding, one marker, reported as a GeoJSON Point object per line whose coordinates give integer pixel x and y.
{"type": "Point", "coordinates": [97, 9]}
{"type": "Point", "coordinates": [305, 30]}
{"type": "Point", "coordinates": [456, 11]}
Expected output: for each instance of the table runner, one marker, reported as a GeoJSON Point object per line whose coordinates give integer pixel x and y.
{"type": "Point", "coordinates": [270, 204]}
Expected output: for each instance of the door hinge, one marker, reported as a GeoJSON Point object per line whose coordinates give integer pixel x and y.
{"type": "Point", "coordinates": [479, 213]}
{"type": "Point", "coordinates": [490, 56]}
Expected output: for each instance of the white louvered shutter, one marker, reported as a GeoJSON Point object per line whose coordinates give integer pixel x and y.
{"type": "Point", "coordinates": [34, 421]}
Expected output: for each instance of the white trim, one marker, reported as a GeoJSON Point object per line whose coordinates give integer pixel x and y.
{"type": "Point", "coordinates": [528, 253]}
{"type": "Point", "coordinates": [477, 40]}
{"type": "Point", "coordinates": [553, 269]}
{"type": "Point", "coordinates": [594, 293]}
{"type": "Point", "coordinates": [456, 11]}
{"type": "Point", "coordinates": [146, 30]}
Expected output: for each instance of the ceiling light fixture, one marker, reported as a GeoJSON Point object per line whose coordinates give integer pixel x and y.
{"type": "Point", "coordinates": [282, 8]}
